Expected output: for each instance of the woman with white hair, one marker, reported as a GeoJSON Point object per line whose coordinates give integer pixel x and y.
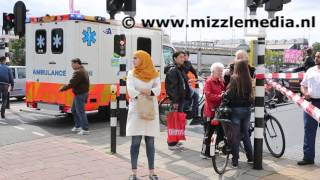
{"type": "Point", "coordinates": [213, 89]}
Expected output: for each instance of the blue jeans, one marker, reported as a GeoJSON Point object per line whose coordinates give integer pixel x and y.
{"type": "Point", "coordinates": [194, 102]}
{"type": "Point", "coordinates": [241, 117]}
{"type": "Point", "coordinates": [310, 132]}
{"type": "Point", "coordinates": [78, 112]}
{"type": "Point", "coordinates": [134, 150]}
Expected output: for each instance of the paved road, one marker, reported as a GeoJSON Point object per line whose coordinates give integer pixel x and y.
{"type": "Point", "coordinates": [22, 126]}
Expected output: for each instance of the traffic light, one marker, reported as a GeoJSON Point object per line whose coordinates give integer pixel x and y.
{"type": "Point", "coordinates": [274, 5]}
{"type": "Point", "coordinates": [253, 5]}
{"type": "Point", "coordinates": [130, 7]}
{"type": "Point", "coordinates": [20, 18]}
{"type": "Point", "coordinates": [120, 45]}
{"type": "Point", "coordinates": [8, 22]}
{"type": "Point", "coordinates": [115, 6]}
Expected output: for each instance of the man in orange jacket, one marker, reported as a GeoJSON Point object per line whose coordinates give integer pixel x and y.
{"type": "Point", "coordinates": [192, 76]}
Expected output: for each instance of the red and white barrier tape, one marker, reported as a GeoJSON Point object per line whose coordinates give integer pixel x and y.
{"type": "Point", "coordinates": [280, 76]}
{"type": "Point", "coordinates": [305, 105]}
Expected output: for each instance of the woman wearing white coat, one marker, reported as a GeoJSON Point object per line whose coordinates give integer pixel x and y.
{"type": "Point", "coordinates": [143, 80]}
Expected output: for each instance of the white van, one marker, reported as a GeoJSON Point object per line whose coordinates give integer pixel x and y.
{"type": "Point", "coordinates": [19, 78]}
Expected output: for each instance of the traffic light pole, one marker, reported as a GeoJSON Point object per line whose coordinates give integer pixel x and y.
{"type": "Point", "coordinates": [259, 108]}
{"type": "Point", "coordinates": [259, 99]}
{"type": "Point", "coordinates": [123, 112]}
{"type": "Point", "coordinates": [113, 120]}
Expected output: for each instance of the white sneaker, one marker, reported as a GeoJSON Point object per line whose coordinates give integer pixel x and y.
{"type": "Point", "coordinates": [84, 132]}
{"type": "Point", "coordinates": [75, 129]}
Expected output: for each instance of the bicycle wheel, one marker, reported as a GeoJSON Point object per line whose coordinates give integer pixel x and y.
{"type": "Point", "coordinates": [221, 155]}
{"type": "Point", "coordinates": [274, 136]}
{"type": "Point", "coordinates": [164, 109]}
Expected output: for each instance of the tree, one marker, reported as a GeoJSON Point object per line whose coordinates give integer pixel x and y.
{"type": "Point", "coordinates": [18, 53]}
{"type": "Point", "coordinates": [316, 47]}
{"type": "Point", "coordinates": [273, 58]}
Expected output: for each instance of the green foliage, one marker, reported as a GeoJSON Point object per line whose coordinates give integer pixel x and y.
{"type": "Point", "coordinates": [274, 58]}
{"type": "Point", "coordinates": [316, 47]}
{"type": "Point", "coordinates": [17, 52]}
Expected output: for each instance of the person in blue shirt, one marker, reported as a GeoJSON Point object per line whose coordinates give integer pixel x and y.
{"type": "Point", "coordinates": [6, 79]}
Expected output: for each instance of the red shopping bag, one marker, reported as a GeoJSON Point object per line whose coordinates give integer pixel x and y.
{"type": "Point", "coordinates": [176, 125]}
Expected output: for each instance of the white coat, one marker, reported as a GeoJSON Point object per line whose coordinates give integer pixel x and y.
{"type": "Point", "coordinates": [135, 125]}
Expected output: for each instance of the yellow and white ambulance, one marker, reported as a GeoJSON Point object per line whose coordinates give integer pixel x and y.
{"type": "Point", "coordinates": [53, 41]}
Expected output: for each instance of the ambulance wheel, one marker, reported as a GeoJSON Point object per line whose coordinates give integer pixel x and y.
{"type": "Point", "coordinates": [20, 98]}
{"type": "Point", "coordinates": [104, 112]}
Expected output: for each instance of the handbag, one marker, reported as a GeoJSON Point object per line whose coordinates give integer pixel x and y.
{"type": "Point", "coordinates": [145, 107]}
{"type": "Point", "coordinates": [176, 125]}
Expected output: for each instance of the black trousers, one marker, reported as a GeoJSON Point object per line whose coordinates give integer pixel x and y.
{"type": "Point", "coordinates": [4, 96]}
{"type": "Point", "coordinates": [209, 130]}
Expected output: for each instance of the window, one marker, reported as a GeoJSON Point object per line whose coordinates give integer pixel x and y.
{"type": "Point", "coordinates": [119, 45]}
{"type": "Point", "coordinates": [21, 73]}
{"type": "Point", "coordinates": [57, 41]}
{"type": "Point", "coordinates": [167, 54]}
{"type": "Point", "coordinates": [144, 44]}
{"type": "Point", "coordinates": [41, 41]}
{"type": "Point", "coordinates": [13, 71]}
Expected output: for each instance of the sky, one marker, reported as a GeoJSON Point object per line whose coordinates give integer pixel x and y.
{"type": "Point", "coordinates": [165, 9]}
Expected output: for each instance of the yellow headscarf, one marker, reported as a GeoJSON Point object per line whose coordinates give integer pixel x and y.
{"type": "Point", "coordinates": [146, 70]}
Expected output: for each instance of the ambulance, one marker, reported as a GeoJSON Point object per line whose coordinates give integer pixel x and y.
{"type": "Point", "coordinates": [53, 41]}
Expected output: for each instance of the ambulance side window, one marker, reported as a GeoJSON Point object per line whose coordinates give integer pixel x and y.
{"type": "Point", "coordinates": [144, 44]}
{"type": "Point", "coordinates": [57, 41]}
{"type": "Point", "coordinates": [41, 41]}
{"type": "Point", "coordinates": [119, 46]}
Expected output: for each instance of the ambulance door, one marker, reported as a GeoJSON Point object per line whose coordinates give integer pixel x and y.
{"type": "Point", "coordinates": [57, 62]}
{"type": "Point", "coordinates": [88, 43]}
{"type": "Point", "coordinates": [149, 41]}
{"type": "Point", "coordinates": [41, 52]}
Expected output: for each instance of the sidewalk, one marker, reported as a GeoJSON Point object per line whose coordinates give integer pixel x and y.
{"type": "Point", "coordinates": [87, 157]}
{"type": "Point", "coordinates": [58, 158]}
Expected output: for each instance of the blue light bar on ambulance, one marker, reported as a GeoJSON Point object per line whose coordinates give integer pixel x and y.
{"type": "Point", "coordinates": [76, 17]}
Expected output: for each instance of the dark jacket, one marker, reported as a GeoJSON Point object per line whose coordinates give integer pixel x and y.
{"type": "Point", "coordinates": [6, 75]}
{"type": "Point", "coordinates": [308, 63]}
{"type": "Point", "coordinates": [79, 82]}
{"type": "Point", "coordinates": [231, 99]}
{"type": "Point", "coordinates": [189, 68]}
{"type": "Point", "coordinates": [176, 82]}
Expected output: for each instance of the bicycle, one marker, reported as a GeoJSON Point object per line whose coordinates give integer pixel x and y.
{"type": "Point", "coordinates": [165, 106]}
{"type": "Point", "coordinates": [272, 131]}
{"type": "Point", "coordinates": [220, 148]}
